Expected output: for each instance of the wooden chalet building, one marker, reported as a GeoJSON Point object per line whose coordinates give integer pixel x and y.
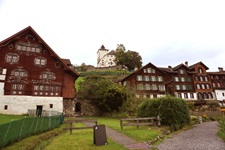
{"type": "Point", "coordinates": [218, 83]}
{"type": "Point", "coordinates": [202, 82]}
{"type": "Point", "coordinates": [179, 82]}
{"type": "Point", "coordinates": [33, 76]}
{"type": "Point", "coordinates": [147, 82]}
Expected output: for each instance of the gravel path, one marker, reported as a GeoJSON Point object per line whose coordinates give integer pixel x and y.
{"type": "Point", "coordinates": [201, 137]}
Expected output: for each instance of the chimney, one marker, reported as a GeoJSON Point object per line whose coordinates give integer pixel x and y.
{"type": "Point", "coordinates": [220, 69]}
{"type": "Point", "coordinates": [170, 67]}
{"type": "Point", "coordinates": [186, 63]}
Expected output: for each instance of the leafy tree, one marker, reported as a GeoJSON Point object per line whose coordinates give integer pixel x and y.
{"type": "Point", "coordinates": [103, 93]}
{"type": "Point", "coordinates": [82, 67]}
{"type": "Point", "coordinates": [129, 59]}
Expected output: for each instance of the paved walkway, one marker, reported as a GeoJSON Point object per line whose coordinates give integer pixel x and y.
{"type": "Point", "coordinates": [201, 137]}
{"type": "Point", "coordinates": [125, 140]}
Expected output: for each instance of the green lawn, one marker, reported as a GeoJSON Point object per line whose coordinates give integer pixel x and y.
{"type": "Point", "coordinates": [82, 139]}
{"type": "Point", "coordinates": [7, 118]}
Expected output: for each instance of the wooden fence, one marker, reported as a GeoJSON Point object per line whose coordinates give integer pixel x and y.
{"type": "Point", "coordinates": [140, 121]}
{"type": "Point", "coordinates": [74, 121]}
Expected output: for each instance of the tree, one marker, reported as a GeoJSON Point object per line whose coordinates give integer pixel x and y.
{"type": "Point", "coordinates": [103, 93]}
{"type": "Point", "coordinates": [129, 59]}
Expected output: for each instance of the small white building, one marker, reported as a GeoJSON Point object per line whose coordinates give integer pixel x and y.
{"type": "Point", "coordinates": [105, 58]}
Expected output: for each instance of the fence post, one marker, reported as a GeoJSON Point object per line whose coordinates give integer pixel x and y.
{"type": "Point", "coordinates": [121, 124]}
{"type": "Point", "coordinates": [70, 127]}
{"type": "Point", "coordinates": [200, 119]}
{"type": "Point", "coordinates": [158, 120]}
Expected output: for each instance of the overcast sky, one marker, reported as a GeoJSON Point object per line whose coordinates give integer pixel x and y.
{"type": "Point", "coordinates": [164, 32]}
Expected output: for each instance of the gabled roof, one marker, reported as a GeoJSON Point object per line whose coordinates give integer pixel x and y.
{"type": "Point", "coordinates": [29, 28]}
{"type": "Point", "coordinates": [112, 52]}
{"type": "Point", "coordinates": [66, 61]}
{"type": "Point", "coordinates": [180, 65]}
{"type": "Point", "coordinates": [140, 70]}
{"type": "Point", "coordinates": [167, 70]}
{"type": "Point", "coordinates": [217, 73]}
{"type": "Point", "coordinates": [193, 66]}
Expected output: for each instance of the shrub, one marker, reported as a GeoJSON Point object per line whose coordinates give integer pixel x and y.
{"type": "Point", "coordinates": [191, 105]}
{"type": "Point", "coordinates": [213, 104]}
{"type": "Point", "coordinates": [221, 124]}
{"type": "Point", "coordinates": [173, 111]}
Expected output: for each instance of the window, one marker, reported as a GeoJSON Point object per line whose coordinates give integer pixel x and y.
{"type": "Point", "coordinates": [161, 87]}
{"type": "Point", "coordinates": [153, 78]}
{"type": "Point", "coordinates": [188, 79]}
{"type": "Point", "coordinates": [196, 78]}
{"type": "Point", "coordinates": [179, 95]}
{"type": "Point", "coordinates": [40, 61]}
{"type": "Point", "coordinates": [6, 107]}
{"type": "Point", "coordinates": [46, 90]}
{"type": "Point", "coordinates": [57, 65]}
{"type": "Point", "coordinates": [182, 79]}
{"type": "Point", "coordinates": [214, 85]}
{"type": "Point", "coordinates": [177, 87]}
{"type": "Point", "coordinates": [182, 71]}
{"type": "Point", "coordinates": [210, 95]}
{"type": "Point", "coordinates": [206, 78]}
{"type": "Point", "coordinates": [198, 86]}
{"type": "Point", "coordinates": [222, 94]}
{"type": "Point", "coordinates": [50, 105]}
{"type": "Point", "coordinates": [139, 78]}
{"type": "Point", "coordinates": [176, 79]}
{"type": "Point", "coordinates": [140, 87]}
{"type": "Point", "coordinates": [189, 87]}
{"type": "Point", "coordinates": [191, 95]}
{"type": "Point", "coordinates": [207, 86]}
{"type": "Point", "coordinates": [218, 84]}
{"type": "Point", "coordinates": [147, 87]}
{"type": "Point", "coordinates": [186, 95]}
{"type": "Point", "coordinates": [154, 87]}
{"type": "Point", "coordinates": [146, 78]}
{"type": "Point", "coordinates": [200, 70]}
{"type": "Point", "coordinates": [184, 87]}
{"type": "Point", "coordinates": [201, 78]}
{"type": "Point", "coordinates": [20, 47]}
{"type": "Point", "coordinates": [160, 78]}
{"type": "Point", "coordinates": [12, 58]}
{"type": "Point", "coordinates": [150, 70]}
{"type": "Point", "coordinates": [203, 86]}
{"type": "Point", "coordinates": [17, 86]}
{"type": "Point", "coordinates": [145, 71]}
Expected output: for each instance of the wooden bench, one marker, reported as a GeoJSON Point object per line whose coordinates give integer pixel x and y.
{"type": "Point", "coordinates": [140, 121]}
{"type": "Point", "coordinates": [74, 121]}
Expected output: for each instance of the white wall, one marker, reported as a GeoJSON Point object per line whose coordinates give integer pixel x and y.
{"type": "Point", "coordinates": [219, 94]}
{"type": "Point", "coordinates": [21, 104]}
{"type": "Point", "coordinates": [2, 89]}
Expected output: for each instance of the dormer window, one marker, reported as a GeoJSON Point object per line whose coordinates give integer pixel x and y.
{"type": "Point", "coordinates": [200, 70]}
{"type": "Point", "coordinates": [182, 71]}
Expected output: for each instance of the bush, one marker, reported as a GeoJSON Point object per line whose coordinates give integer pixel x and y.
{"type": "Point", "coordinates": [221, 125]}
{"type": "Point", "coordinates": [213, 104]}
{"type": "Point", "coordinates": [173, 111]}
{"type": "Point", "coordinates": [191, 105]}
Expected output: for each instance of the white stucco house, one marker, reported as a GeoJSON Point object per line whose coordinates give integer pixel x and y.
{"type": "Point", "coordinates": [105, 58]}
